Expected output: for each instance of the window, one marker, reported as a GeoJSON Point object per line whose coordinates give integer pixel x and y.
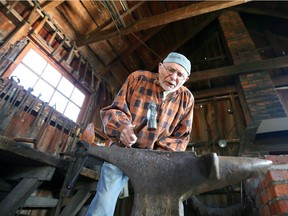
{"type": "Point", "coordinates": [35, 72]}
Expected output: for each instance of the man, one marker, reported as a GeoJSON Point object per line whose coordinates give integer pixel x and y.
{"type": "Point", "coordinates": [175, 105]}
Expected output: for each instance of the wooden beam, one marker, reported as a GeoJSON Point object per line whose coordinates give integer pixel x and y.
{"type": "Point", "coordinates": [76, 202]}
{"type": "Point", "coordinates": [248, 67]}
{"type": "Point", "coordinates": [208, 93]}
{"type": "Point", "coordinates": [23, 25]}
{"type": "Point", "coordinates": [82, 39]}
{"type": "Point", "coordinates": [31, 179]}
{"type": "Point", "coordinates": [50, 5]}
{"type": "Point", "coordinates": [40, 202]}
{"type": "Point", "coordinates": [230, 89]}
{"type": "Point", "coordinates": [189, 11]}
{"type": "Point", "coordinates": [10, 204]}
{"type": "Point", "coordinates": [9, 11]}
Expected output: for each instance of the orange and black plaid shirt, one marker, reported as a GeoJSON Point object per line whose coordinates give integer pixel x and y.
{"type": "Point", "coordinates": [174, 113]}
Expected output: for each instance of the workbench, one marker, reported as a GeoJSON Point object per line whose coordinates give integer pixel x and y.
{"type": "Point", "coordinates": [25, 169]}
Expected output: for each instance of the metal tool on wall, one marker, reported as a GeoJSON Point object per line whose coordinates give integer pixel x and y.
{"type": "Point", "coordinates": [31, 106]}
{"type": "Point", "coordinates": [53, 136]}
{"type": "Point", "coordinates": [10, 106]}
{"type": "Point", "coordinates": [16, 114]}
{"type": "Point", "coordinates": [7, 90]}
{"type": "Point", "coordinates": [44, 127]}
{"type": "Point", "coordinates": [21, 124]}
{"type": "Point", "coordinates": [6, 58]}
{"type": "Point", "coordinates": [73, 135]}
{"type": "Point", "coordinates": [60, 144]}
{"type": "Point", "coordinates": [38, 120]}
{"type": "Point", "coordinates": [1, 85]}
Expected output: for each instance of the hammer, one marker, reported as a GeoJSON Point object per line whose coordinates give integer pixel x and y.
{"type": "Point", "coordinates": [150, 120]}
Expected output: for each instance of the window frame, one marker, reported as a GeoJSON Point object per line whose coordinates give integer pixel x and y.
{"type": "Point", "coordinates": [60, 69]}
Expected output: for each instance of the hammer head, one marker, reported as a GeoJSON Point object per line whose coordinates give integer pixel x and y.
{"type": "Point", "coordinates": [152, 116]}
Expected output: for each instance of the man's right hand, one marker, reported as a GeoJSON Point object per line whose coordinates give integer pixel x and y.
{"type": "Point", "coordinates": [127, 136]}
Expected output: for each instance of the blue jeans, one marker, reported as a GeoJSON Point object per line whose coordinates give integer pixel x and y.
{"type": "Point", "coordinates": [111, 182]}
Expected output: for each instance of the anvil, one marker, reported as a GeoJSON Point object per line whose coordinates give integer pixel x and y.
{"type": "Point", "coordinates": [162, 180]}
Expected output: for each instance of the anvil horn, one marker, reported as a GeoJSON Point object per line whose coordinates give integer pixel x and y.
{"type": "Point", "coordinates": [162, 180]}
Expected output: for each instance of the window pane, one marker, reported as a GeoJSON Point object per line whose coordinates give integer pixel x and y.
{"type": "Point", "coordinates": [51, 75]}
{"type": "Point", "coordinates": [65, 87]}
{"type": "Point", "coordinates": [45, 89]}
{"type": "Point", "coordinates": [50, 83]}
{"type": "Point", "coordinates": [27, 78]}
{"type": "Point", "coordinates": [35, 61]}
{"type": "Point", "coordinates": [60, 101]}
{"type": "Point", "coordinates": [72, 111]}
{"type": "Point", "coordinates": [77, 97]}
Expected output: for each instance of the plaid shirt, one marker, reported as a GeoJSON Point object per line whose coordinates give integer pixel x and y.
{"type": "Point", "coordinates": [174, 113]}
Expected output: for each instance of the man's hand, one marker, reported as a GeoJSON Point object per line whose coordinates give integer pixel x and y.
{"type": "Point", "coordinates": [127, 136]}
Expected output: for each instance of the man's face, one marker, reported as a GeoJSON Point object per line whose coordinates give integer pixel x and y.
{"type": "Point", "coordinates": [171, 76]}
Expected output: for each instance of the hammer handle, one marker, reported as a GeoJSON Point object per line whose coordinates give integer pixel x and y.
{"type": "Point", "coordinates": [139, 127]}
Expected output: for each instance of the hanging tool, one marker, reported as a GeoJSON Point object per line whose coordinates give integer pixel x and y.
{"type": "Point", "coordinates": [9, 108]}
{"type": "Point", "coordinates": [60, 143]}
{"type": "Point", "coordinates": [19, 109]}
{"type": "Point", "coordinates": [44, 127]}
{"type": "Point", "coordinates": [8, 89]}
{"type": "Point", "coordinates": [73, 135]}
{"type": "Point", "coordinates": [11, 54]}
{"type": "Point", "coordinates": [38, 121]}
{"type": "Point", "coordinates": [31, 106]}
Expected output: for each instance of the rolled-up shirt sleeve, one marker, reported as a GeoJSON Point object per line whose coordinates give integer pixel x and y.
{"type": "Point", "coordinates": [117, 115]}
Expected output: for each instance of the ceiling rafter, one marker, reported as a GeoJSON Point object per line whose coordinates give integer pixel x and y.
{"type": "Point", "coordinates": [81, 41]}
{"type": "Point", "coordinates": [50, 5]}
{"type": "Point", "coordinates": [248, 67]}
{"type": "Point", "coordinates": [229, 89]}
{"type": "Point", "coordinates": [24, 26]}
{"type": "Point", "coordinates": [161, 19]}
{"type": "Point", "coordinates": [213, 92]}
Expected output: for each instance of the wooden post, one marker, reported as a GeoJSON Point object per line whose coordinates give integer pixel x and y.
{"type": "Point", "coordinates": [53, 37]}
{"type": "Point", "coordinates": [41, 24]}
{"type": "Point", "coordinates": [85, 71]}
{"type": "Point", "coordinates": [71, 54]}
{"type": "Point", "coordinates": [59, 46]}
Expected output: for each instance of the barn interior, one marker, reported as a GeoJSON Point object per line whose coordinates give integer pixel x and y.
{"type": "Point", "coordinates": [62, 61]}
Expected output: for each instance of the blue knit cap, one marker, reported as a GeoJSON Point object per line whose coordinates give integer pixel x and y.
{"type": "Point", "coordinates": [179, 59]}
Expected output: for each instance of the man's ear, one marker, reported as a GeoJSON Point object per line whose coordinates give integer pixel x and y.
{"type": "Point", "coordinates": [159, 65]}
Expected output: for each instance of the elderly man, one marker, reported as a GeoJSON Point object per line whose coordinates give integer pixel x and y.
{"type": "Point", "coordinates": [175, 104]}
